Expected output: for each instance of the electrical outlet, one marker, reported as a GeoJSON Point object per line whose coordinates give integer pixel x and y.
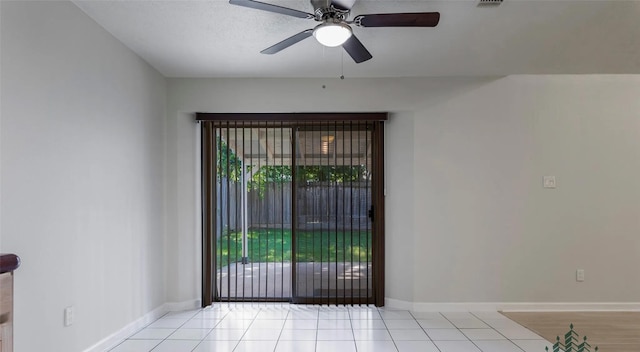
{"type": "Point", "coordinates": [68, 316]}
{"type": "Point", "coordinates": [580, 275]}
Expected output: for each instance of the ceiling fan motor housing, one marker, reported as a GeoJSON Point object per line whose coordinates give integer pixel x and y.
{"type": "Point", "coordinates": [331, 13]}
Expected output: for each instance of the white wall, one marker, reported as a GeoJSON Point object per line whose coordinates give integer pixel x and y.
{"type": "Point", "coordinates": [82, 198]}
{"type": "Point", "coordinates": [469, 156]}
{"type": "Point", "coordinates": [400, 96]}
{"type": "Point", "coordinates": [481, 208]}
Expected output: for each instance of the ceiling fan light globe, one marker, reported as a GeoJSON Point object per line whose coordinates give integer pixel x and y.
{"type": "Point", "coordinates": [332, 34]}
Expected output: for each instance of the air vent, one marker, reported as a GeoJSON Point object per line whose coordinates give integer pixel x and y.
{"type": "Point", "coordinates": [486, 3]}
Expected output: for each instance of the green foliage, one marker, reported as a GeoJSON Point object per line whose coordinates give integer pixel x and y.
{"type": "Point", "coordinates": [344, 173]}
{"type": "Point", "coordinates": [229, 166]}
{"type": "Point", "coordinates": [274, 245]}
{"type": "Point", "coordinates": [269, 174]}
{"type": "Point", "coordinates": [324, 246]}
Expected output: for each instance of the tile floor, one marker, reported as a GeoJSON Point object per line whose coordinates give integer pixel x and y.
{"type": "Point", "coordinates": [295, 328]}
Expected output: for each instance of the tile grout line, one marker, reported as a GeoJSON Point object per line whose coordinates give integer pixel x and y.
{"type": "Point", "coordinates": [353, 334]}
{"type": "Point", "coordinates": [219, 321]}
{"type": "Point", "coordinates": [389, 331]}
{"type": "Point", "coordinates": [468, 339]}
{"type": "Point", "coordinates": [496, 330]}
{"type": "Point", "coordinates": [248, 327]}
{"type": "Point", "coordinates": [281, 330]}
{"type": "Point", "coordinates": [425, 331]}
{"type": "Point", "coordinates": [203, 339]}
{"type": "Point", "coordinates": [166, 338]}
{"type": "Point", "coordinates": [387, 328]}
{"type": "Point", "coordinates": [214, 326]}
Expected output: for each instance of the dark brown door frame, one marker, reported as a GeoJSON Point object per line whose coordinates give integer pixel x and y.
{"type": "Point", "coordinates": [208, 155]}
{"type": "Point", "coordinates": [208, 188]}
{"type": "Point", "coordinates": [378, 213]}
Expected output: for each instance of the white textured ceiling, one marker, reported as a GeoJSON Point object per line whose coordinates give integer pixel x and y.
{"type": "Point", "coordinates": [215, 39]}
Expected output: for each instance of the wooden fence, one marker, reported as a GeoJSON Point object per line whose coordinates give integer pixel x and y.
{"type": "Point", "coordinates": [321, 205]}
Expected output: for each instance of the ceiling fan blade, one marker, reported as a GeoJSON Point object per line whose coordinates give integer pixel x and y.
{"type": "Point", "coordinates": [271, 8]}
{"type": "Point", "coordinates": [288, 42]}
{"type": "Point", "coordinates": [416, 19]}
{"type": "Point", "coordinates": [356, 50]}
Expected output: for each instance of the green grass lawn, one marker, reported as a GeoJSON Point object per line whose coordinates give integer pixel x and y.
{"type": "Point", "coordinates": [274, 245]}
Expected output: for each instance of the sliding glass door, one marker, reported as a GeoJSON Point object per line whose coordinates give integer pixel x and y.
{"type": "Point", "coordinates": [289, 210]}
{"type": "Point", "coordinates": [333, 234]}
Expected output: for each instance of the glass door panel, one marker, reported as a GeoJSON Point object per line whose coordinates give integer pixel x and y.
{"type": "Point", "coordinates": [333, 232]}
{"type": "Point", "coordinates": [253, 212]}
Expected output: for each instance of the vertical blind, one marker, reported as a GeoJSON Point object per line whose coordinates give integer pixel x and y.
{"type": "Point", "coordinates": [291, 211]}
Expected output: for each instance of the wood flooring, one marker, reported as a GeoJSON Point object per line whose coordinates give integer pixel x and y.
{"type": "Point", "coordinates": [610, 331]}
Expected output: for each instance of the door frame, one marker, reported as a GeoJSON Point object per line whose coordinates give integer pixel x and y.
{"type": "Point", "coordinates": [208, 196]}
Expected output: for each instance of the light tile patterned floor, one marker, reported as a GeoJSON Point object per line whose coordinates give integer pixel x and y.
{"type": "Point", "coordinates": [260, 327]}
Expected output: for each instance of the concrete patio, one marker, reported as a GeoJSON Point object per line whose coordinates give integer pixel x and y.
{"type": "Point", "coordinates": [273, 280]}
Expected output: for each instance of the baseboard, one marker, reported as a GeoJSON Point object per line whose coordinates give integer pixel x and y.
{"type": "Point", "coordinates": [398, 304]}
{"type": "Point", "coordinates": [512, 306]}
{"type": "Point", "coordinates": [185, 305]}
{"type": "Point", "coordinates": [572, 307]}
{"type": "Point", "coordinates": [442, 306]}
{"type": "Point", "coordinates": [117, 337]}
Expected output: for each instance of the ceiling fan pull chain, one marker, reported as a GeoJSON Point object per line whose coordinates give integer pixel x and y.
{"type": "Point", "coordinates": [341, 64]}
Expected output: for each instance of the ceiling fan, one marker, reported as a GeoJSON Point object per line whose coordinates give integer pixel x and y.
{"type": "Point", "coordinates": [335, 28]}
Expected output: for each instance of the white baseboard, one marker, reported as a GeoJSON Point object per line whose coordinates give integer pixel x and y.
{"type": "Point", "coordinates": [398, 304]}
{"type": "Point", "coordinates": [511, 306]}
{"type": "Point", "coordinates": [186, 305]}
{"type": "Point", "coordinates": [117, 337]}
{"type": "Point", "coordinates": [572, 306]}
